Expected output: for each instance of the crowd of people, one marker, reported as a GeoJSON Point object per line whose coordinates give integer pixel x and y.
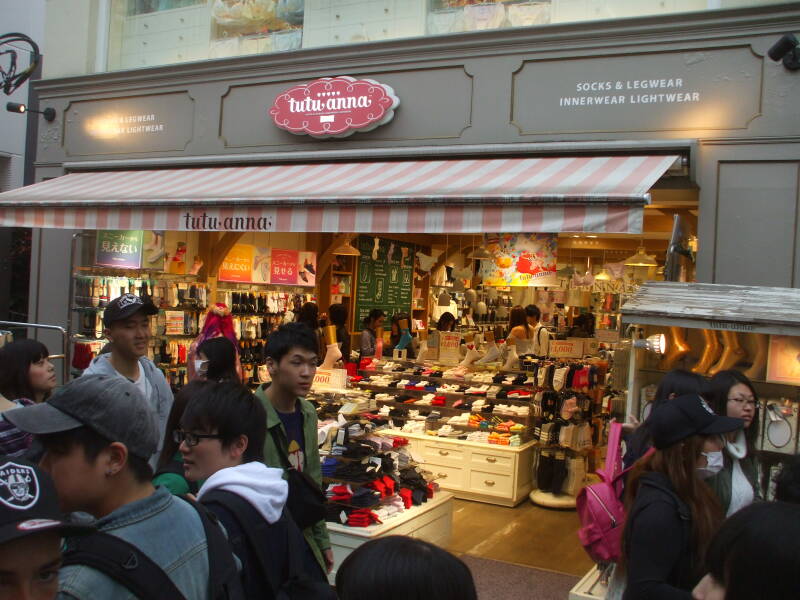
{"type": "Point", "coordinates": [216, 493]}
{"type": "Point", "coordinates": [696, 523]}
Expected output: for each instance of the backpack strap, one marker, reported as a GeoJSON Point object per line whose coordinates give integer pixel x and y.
{"type": "Point", "coordinates": [251, 523]}
{"type": "Point", "coordinates": [223, 573]}
{"type": "Point", "coordinates": [124, 563]}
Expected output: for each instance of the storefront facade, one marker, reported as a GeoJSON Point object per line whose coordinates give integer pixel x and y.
{"type": "Point", "coordinates": [695, 85]}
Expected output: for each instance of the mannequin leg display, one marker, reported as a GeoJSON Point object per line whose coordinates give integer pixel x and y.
{"type": "Point", "coordinates": [678, 348]}
{"type": "Point", "coordinates": [332, 355]}
{"type": "Point", "coordinates": [759, 367]}
{"type": "Point", "coordinates": [732, 353]}
{"type": "Point", "coordinates": [471, 357]}
{"type": "Point", "coordinates": [492, 353]}
{"type": "Point", "coordinates": [711, 352]}
{"type": "Point", "coordinates": [512, 360]}
{"type": "Point", "coordinates": [423, 350]}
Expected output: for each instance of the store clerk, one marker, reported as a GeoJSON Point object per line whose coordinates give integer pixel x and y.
{"type": "Point", "coordinates": [372, 323]}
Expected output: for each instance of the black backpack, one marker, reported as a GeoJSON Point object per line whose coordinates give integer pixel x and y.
{"type": "Point", "coordinates": [298, 586]}
{"type": "Point", "coordinates": [130, 567]}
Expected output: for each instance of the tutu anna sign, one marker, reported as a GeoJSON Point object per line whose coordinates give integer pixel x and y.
{"type": "Point", "coordinates": [334, 107]}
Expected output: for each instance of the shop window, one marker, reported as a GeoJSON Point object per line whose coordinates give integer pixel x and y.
{"type": "Point", "coordinates": [146, 33]}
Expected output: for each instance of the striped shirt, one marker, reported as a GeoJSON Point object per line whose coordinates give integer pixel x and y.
{"type": "Point", "coordinates": [14, 442]}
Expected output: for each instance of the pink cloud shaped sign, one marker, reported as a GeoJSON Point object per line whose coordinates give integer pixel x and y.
{"type": "Point", "coordinates": [334, 107]}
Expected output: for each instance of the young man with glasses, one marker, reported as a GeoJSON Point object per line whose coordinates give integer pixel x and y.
{"type": "Point", "coordinates": [291, 440]}
{"type": "Point", "coordinates": [98, 433]}
{"type": "Point", "coordinates": [222, 443]}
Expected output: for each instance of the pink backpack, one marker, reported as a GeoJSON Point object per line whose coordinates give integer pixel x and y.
{"type": "Point", "coordinates": [600, 509]}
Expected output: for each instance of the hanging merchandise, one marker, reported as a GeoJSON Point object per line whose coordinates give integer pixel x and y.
{"type": "Point", "coordinates": [528, 260]}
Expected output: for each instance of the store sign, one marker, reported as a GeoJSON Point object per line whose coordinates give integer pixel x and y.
{"type": "Point", "coordinates": [449, 347]}
{"type": "Point", "coordinates": [334, 107]}
{"type": "Point", "coordinates": [661, 91]}
{"type": "Point", "coordinates": [335, 379]}
{"type": "Point", "coordinates": [607, 336]}
{"type": "Point", "coordinates": [123, 125]}
{"type": "Point", "coordinates": [246, 263]}
{"type": "Point", "coordinates": [521, 260]}
{"type": "Point", "coordinates": [566, 348]}
{"type": "Point", "coordinates": [121, 249]}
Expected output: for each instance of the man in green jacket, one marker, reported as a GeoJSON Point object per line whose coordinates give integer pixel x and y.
{"type": "Point", "coordinates": [291, 357]}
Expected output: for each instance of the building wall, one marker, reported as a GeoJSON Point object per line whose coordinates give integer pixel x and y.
{"type": "Point", "coordinates": [494, 92]}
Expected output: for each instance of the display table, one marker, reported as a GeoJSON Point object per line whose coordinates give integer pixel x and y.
{"type": "Point", "coordinates": [432, 522]}
{"type": "Point", "coordinates": [589, 587]}
{"type": "Point", "coordinates": [473, 470]}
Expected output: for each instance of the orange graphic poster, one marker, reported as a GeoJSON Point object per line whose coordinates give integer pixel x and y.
{"type": "Point", "coordinates": [238, 264]}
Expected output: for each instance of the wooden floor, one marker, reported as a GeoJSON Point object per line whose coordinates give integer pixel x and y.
{"type": "Point", "coordinates": [525, 535]}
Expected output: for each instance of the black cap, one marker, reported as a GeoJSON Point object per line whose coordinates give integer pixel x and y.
{"type": "Point", "coordinates": [29, 503]}
{"type": "Point", "coordinates": [685, 416]}
{"type": "Point", "coordinates": [126, 306]}
{"type": "Point", "coordinates": [109, 404]}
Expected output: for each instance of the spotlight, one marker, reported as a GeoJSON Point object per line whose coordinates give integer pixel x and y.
{"type": "Point", "coordinates": [786, 49]}
{"type": "Point", "coordinates": [655, 343]}
{"type": "Point", "coordinates": [16, 107]}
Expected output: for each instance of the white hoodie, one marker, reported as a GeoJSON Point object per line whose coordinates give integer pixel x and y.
{"type": "Point", "coordinates": [262, 486]}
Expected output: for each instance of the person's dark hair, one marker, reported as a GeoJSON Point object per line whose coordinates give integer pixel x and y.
{"type": "Point", "coordinates": [232, 410]}
{"type": "Point", "coordinates": [410, 569]}
{"type": "Point", "coordinates": [374, 315]}
{"type": "Point", "coordinates": [675, 383]}
{"type": "Point", "coordinates": [533, 311]}
{"type": "Point", "coordinates": [396, 318]}
{"type": "Point", "coordinates": [787, 486]}
{"type": "Point", "coordinates": [756, 553]}
{"type": "Point", "coordinates": [93, 444]}
{"type": "Point", "coordinates": [338, 314]}
{"type": "Point", "coordinates": [16, 359]}
{"type": "Point", "coordinates": [309, 314]}
{"type": "Point", "coordinates": [519, 318]}
{"type": "Point", "coordinates": [718, 389]}
{"type": "Point", "coordinates": [679, 463]}
{"type": "Point", "coordinates": [221, 354]}
{"type": "Point", "coordinates": [182, 398]}
{"type": "Point", "coordinates": [446, 322]}
{"type": "Point", "coordinates": [288, 336]}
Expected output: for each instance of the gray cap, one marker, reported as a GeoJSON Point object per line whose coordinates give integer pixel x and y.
{"type": "Point", "coordinates": [110, 405]}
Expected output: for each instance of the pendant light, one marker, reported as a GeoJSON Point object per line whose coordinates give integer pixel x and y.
{"type": "Point", "coordinates": [345, 249]}
{"type": "Point", "coordinates": [479, 253]}
{"type": "Point", "coordinates": [603, 275]}
{"type": "Point", "coordinates": [640, 259]}
{"type": "Point", "coordinates": [443, 299]}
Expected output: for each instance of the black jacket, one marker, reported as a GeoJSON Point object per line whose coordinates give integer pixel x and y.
{"type": "Point", "coordinates": [660, 565]}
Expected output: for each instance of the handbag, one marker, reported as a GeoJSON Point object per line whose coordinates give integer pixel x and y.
{"type": "Point", "coordinates": [306, 501]}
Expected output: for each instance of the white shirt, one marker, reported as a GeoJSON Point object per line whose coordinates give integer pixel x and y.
{"type": "Point", "coordinates": [143, 385]}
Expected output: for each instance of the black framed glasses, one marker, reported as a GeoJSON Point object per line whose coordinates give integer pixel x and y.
{"type": "Point", "coordinates": [192, 439]}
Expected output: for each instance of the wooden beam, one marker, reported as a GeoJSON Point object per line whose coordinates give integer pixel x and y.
{"type": "Point", "coordinates": [326, 258]}
{"type": "Point", "coordinates": [221, 249]}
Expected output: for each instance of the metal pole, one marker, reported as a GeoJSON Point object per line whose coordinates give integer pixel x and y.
{"type": "Point", "coordinates": [64, 338]}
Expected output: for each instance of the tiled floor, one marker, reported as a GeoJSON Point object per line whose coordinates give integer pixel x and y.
{"type": "Point", "coordinates": [525, 535]}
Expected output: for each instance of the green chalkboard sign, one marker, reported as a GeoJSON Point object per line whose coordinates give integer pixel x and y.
{"type": "Point", "coordinates": [385, 277]}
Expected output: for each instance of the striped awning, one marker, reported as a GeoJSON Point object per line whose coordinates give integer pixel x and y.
{"type": "Point", "coordinates": [568, 194]}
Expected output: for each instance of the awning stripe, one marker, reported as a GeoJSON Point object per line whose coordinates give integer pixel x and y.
{"type": "Point", "coordinates": [600, 193]}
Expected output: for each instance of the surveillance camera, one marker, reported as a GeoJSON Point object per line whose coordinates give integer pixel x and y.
{"type": "Point", "coordinates": [786, 49]}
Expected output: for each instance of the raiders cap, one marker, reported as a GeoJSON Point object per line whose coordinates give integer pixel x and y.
{"type": "Point", "coordinates": [29, 503]}
{"type": "Point", "coordinates": [126, 306]}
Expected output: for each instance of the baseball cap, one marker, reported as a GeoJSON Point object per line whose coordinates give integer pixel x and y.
{"type": "Point", "coordinates": [110, 405]}
{"type": "Point", "coordinates": [29, 503]}
{"type": "Point", "coordinates": [685, 416]}
{"type": "Point", "coordinates": [126, 306]}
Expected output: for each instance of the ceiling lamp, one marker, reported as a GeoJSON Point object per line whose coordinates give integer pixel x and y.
{"type": "Point", "coordinates": [346, 249]}
{"type": "Point", "coordinates": [603, 275]}
{"type": "Point", "coordinates": [640, 259]}
{"type": "Point", "coordinates": [444, 299]}
{"type": "Point", "coordinates": [480, 253]}
{"type": "Point", "coordinates": [655, 343]}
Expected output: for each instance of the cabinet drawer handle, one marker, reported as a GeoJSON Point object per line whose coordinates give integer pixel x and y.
{"type": "Point", "coordinates": [491, 459]}
{"type": "Point", "coordinates": [443, 452]}
{"type": "Point", "coordinates": [442, 475]}
{"type": "Point", "coordinates": [488, 482]}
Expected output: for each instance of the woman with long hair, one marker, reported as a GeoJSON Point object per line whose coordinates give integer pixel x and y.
{"type": "Point", "coordinates": [216, 360]}
{"type": "Point", "coordinates": [675, 383]}
{"type": "Point", "coordinates": [309, 315]}
{"type": "Point", "coordinates": [26, 377]}
{"type": "Point", "coordinates": [732, 394]}
{"type": "Point", "coordinates": [671, 513]}
{"type": "Point", "coordinates": [338, 315]}
{"type": "Point", "coordinates": [446, 322]}
{"type": "Point", "coordinates": [520, 331]}
{"type": "Point", "coordinates": [218, 323]}
{"type": "Point", "coordinates": [369, 340]}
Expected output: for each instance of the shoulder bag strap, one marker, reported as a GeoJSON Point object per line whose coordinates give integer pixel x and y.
{"type": "Point", "coordinates": [223, 574]}
{"type": "Point", "coordinates": [124, 563]}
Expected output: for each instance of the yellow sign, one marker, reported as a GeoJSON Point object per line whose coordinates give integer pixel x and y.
{"type": "Point", "coordinates": [238, 264]}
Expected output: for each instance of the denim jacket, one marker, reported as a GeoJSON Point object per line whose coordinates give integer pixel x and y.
{"type": "Point", "coordinates": [168, 530]}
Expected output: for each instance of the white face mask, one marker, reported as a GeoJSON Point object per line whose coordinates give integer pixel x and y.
{"type": "Point", "coordinates": [200, 366]}
{"type": "Point", "coordinates": [714, 466]}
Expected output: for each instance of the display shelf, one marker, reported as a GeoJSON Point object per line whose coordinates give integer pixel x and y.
{"type": "Point", "coordinates": [400, 374]}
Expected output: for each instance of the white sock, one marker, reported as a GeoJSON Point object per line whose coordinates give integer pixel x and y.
{"type": "Point", "coordinates": [471, 357]}
{"type": "Point", "coordinates": [512, 361]}
{"type": "Point", "coordinates": [332, 355]}
{"type": "Point", "coordinates": [492, 354]}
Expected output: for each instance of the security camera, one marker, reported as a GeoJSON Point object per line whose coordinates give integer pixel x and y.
{"type": "Point", "coordinates": [786, 49]}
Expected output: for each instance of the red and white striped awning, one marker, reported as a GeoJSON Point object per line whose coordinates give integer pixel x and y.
{"type": "Point", "coordinates": [580, 194]}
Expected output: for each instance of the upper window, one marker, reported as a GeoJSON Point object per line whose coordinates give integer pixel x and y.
{"type": "Point", "coordinates": [146, 33]}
